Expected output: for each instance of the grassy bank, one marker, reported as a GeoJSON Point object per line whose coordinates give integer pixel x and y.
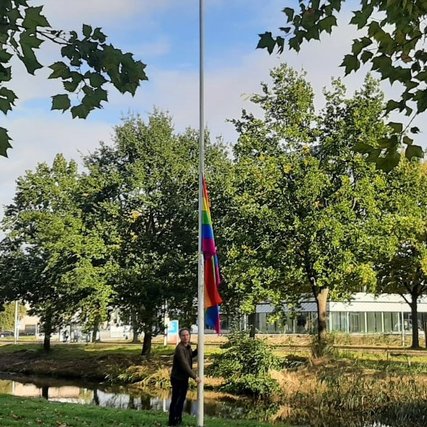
{"type": "Point", "coordinates": [16, 411]}
{"type": "Point", "coordinates": [350, 387]}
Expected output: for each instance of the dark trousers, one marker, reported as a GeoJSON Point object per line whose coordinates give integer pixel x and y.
{"type": "Point", "coordinates": [179, 392]}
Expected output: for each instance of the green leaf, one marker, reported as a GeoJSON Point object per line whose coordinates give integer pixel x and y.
{"type": "Point", "coordinates": [7, 99]}
{"type": "Point", "coordinates": [4, 142]}
{"type": "Point", "coordinates": [99, 35]}
{"type": "Point", "coordinates": [34, 18]}
{"type": "Point", "coordinates": [289, 12]}
{"type": "Point", "coordinates": [383, 64]}
{"type": "Point", "coordinates": [421, 100]}
{"type": "Point", "coordinates": [414, 151]}
{"type": "Point", "coordinates": [385, 143]}
{"type": "Point", "coordinates": [59, 70]}
{"type": "Point", "coordinates": [266, 41]}
{"type": "Point", "coordinates": [373, 155]}
{"type": "Point", "coordinates": [366, 56]}
{"type": "Point", "coordinates": [87, 30]}
{"type": "Point", "coordinates": [362, 147]}
{"type": "Point", "coordinates": [357, 47]}
{"type": "Point", "coordinates": [389, 162]}
{"type": "Point", "coordinates": [415, 130]}
{"type": "Point", "coordinates": [327, 23]}
{"type": "Point", "coordinates": [29, 42]}
{"type": "Point", "coordinates": [30, 61]}
{"type": "Point", "coordinates": [351, 63]}
{"type": "Point", "coordinates": [61, 102]}
{"type": "Point", "coordinates": [5, 56]}
{"type": "Point", "coordinates": [96, 79]}
{"type": "Point", "coordinates": [397, 127]}
{"type": "Point", "coordinates": [406, 140]}
{"type": "Point", "coordinates": [392, 105]}
{"type": "Point", "coordinates": [81, 111]}
{"type": "Point", "coordinates": [5, 73]}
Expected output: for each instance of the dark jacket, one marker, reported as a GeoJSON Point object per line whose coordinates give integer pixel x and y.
{"type": "Point", "coordinates": [183, 362]}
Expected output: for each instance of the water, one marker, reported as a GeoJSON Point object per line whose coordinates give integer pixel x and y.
{"type": "Point", "coordinates": [120, 397]}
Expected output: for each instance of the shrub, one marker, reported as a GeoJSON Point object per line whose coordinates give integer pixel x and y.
{"type": "Point", "coordinates": [245, 366]}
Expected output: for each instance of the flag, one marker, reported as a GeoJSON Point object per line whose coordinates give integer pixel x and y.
{"type": "Point", "coordinates": [211, 266]}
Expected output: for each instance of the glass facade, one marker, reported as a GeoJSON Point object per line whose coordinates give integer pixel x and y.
{"type": "Point", "coordinates": [340, 321]}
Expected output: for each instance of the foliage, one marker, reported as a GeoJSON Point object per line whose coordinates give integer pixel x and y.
{"type": "Point", "coordinates": [7, 316]}
{"type": "Point", "coordinates": [401, 258]}
{"type": "Point", "coordinates": [89, 63]}
{"type": "Point", "coordinates": [392, 43]}
{"type": "Point", "coordinates": [245, 366]}
{"type": "Point", "coordinates": [304, 195]}
{"type": "Point", "coordinates": [51, 260]}
{"type": "Point", "coordinates": [144, 188]}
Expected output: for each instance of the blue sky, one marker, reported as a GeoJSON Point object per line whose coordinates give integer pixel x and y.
{"type": "Point", "coordinates": [164, 35]}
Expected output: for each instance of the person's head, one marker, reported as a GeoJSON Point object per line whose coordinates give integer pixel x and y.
{"type": "Point", "coordinates": [184, 335]}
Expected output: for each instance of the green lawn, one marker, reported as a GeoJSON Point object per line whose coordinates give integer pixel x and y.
{"type": "Point", "coordinates": [15, 411]}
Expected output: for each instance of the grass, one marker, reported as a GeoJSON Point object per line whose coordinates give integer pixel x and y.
{"type": "Point", "coordinates": [16, 411]}
{"type": "Point", "coordinates": [379, 384]}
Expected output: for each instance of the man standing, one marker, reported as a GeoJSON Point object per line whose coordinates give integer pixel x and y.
{"type": "Point", "coordinates": [181, 372]}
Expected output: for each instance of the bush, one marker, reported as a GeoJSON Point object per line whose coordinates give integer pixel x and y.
{"type": "Point", "coordinates": [245, 366]}
{"type": "Point", "coordinates": [261, 387]}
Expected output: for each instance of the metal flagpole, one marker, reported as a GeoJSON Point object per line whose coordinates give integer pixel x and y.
{"type": "Point", "coordinates": [201, 285]}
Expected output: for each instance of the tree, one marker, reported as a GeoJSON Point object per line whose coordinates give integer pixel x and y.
{"type": "Point", "coordinates": [401, 260]}
{"type": "Point", "coordinates": [145, 188]}
{"type": "Point", "coordinates": [89, 62]}
{"type": "Point", "coordinates": [303, 193]}
{"type": "Point", "coordinates": [393, 44]}
{"type": "Point", "coordinates": [51, 260]}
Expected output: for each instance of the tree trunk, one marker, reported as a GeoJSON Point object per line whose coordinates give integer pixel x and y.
{"type": "Point", "coordinates": [319, 345]}
{"type": "Point", "coordinates": [425, 331]}
{"type": "Point", "coordinates": [414, 316]}
{"type": "Point", "coordinates": [322, 317]}
{"type": "Point", "coordinates": [45, 392]}
{"type": "Point", "coordinates": [251, 321]}
{"type": "Point", "coordinates": [96, 396]}
{"type": "Point", "coordinates": [47, 326]}
{"type": "Point", "coordinates": [135, 329]}
{"type": "Point", "coordinates": [46, 343]}
{"type": "Point", "coordinates": [95, 331]}
{"type": "Point", "coordinates": [146, 345]}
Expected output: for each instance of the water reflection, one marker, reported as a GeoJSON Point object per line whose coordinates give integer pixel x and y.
{"type": "Point", "coordinates": [95, 394]}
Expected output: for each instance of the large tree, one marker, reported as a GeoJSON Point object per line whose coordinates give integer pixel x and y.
{"type": "Point", "coordinates": [401, 230]}
{"type": "Point", "coordinates": [87, 65]}
{"type": "Point", "coordinates": [392, 42]}
{"type": "Point", "coordinates": [145, 186]}
{"type": "Point", "coordinates": [51, 260]}
{"type": "Point", "coordinates": [303, 193]}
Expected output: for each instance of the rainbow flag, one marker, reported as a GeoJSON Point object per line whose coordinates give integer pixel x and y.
{"type": "Point", "coordinates": [211, 267]}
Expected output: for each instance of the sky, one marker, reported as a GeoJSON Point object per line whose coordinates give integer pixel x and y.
{"type": "Point", "coordinates": [164, 35]}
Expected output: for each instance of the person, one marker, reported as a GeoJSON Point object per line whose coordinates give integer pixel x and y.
{"type": "Point", "coordinates": [182, 371]}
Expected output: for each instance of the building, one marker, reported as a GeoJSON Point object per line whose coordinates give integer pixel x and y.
{"type": "Point", "coordinates": [363, 314]}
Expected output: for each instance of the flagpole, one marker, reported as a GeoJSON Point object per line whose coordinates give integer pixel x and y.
{"type": "Point", "coordinates": [201, 285]}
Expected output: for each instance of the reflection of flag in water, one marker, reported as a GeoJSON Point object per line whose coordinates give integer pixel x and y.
{"type": "Point", "coordinates": [211, 270]}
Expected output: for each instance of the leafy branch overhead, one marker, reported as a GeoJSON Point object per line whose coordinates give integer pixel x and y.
{"type": "Point", "coordinates": [393, 45]}
{"type": "Point", "coordinates": [88, 62]}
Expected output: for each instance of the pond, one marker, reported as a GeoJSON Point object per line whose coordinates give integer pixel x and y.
{"type": "Point", "coordinates": [67, 391]}
{"type": "Point", "coordinates": [120, 397]}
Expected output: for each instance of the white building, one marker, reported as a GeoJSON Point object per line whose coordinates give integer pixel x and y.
{"type": "Point", "coordinates": [363, 314]}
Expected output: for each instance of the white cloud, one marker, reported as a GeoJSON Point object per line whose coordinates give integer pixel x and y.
{"type": "Point", "coordinates": [68, 14]}
{"type": "Point", "coordinates": [230, 77]}
{"type": "Point", "coordinates": [39, 138]}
